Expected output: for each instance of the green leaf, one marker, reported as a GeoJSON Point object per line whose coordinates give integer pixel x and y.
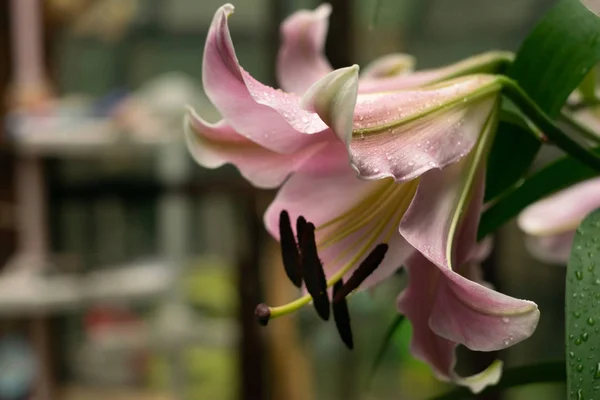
{"type": "Point", "coordinates": [582, 314]}
{"type": "Point", "coordinates": [587, 87]}
{"type": "Point", "coordinates": [567, 39]}
{"type": "Point", "coordinates": [389, 334]}
{"type": "Point", "coordinates": [555, 176]}
{"type": "Point", "coordinates": [502, 174]}
{"type": "Point", "coordinates": [512, 377]}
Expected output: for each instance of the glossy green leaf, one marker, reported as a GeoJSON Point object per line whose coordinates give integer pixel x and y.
{"type": "Point", "coordinates": [582, 314]}
{"type": "Point", "coordinates": [503, 172]}
{"type": "Point", "coordinates": [557, 175]}
{"type": "Point", "coordinates": [513, 377]}
{"type": "Point", "coordinates": [567, 40]}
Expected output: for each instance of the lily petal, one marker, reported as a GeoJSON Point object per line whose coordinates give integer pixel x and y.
{"type": "Point", "coordinates": [418, 302]}
{"type": "Point", "coordinates": [563, 211]}
{"type": "Point", "coordinates": [405, 134]}
{"type": "Point", "coordinates": [352, 216]}
{"type": "Point", "coordinates": [478, 317]}
{"type": "Point", "coordinates": [301, 61]}
{"type": "Point", "coordinates": [268, 117]}
{"type": "Point", "coordinates": [552, 249]}
{"type": "Point", "coordinates": [482, 63]}
{"type": "Point", "coordinates": [390, 65]}
{"type": "Point", "coordinates": [448, 204]}
{"type": "Point", "coordinates": [213, 145]}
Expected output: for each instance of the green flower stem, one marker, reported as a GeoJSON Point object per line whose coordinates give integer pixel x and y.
{"type": "Point", "coordinates": [494, 62]}
{"type": "Point", "coordinates": [578, 127]}
{"type": "Point", "coordinates": [518, 96]}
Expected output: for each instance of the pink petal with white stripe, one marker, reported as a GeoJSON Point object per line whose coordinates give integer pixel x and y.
{"type": "Point", "coordinates": [405, 134]}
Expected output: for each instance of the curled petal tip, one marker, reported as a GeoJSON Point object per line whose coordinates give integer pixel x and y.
{"type": "Point", "coordinates": [488, 377]}
{"type": "Point", "coordinates": [324, 9]}
{"type": "Point", "coordinates": [227, 8]}
{"type": "Point", "coordinates": [333, 98]}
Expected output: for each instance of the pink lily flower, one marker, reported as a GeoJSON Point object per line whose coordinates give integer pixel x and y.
{"type": "Point", "coordinates": [419, 151]}
{"type": "Point", "coordinates": [550, 223]}
{"type": "Point", "coordinates": [445, 302]}
{"type": "Point", "coordinates": [295, 139]}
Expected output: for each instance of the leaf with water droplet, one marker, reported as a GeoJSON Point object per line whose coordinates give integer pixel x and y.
{"type": "Point", "coordinates": [583, 374]}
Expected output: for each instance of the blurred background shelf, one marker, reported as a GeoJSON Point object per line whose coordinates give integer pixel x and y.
{"type": "Point", "coordinates": [28, 290]}
{"type": "Point", "coordinates": [142, 269]}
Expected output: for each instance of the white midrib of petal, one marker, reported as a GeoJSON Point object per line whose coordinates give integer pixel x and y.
{"type": "Point", "coordinates": [475, 159]}
{"type": "Point", "coordinates": [489, 89]}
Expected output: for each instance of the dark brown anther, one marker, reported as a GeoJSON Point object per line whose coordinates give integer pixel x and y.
{"type": "Point", "coordinates": [366, 268]}
{"type": "Point", "coordinates": [342, 317]}
{"type": "Point", "coordinates": [289, 249]}
{"type": "Point", "coordinates": [312, 271]}
{"type": "Point", "coordinates": [263, 314]}
{"type": "Point", "coordinates": [300, 226]}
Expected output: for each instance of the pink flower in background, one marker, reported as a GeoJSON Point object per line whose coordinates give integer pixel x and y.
{"type": "Point", "coordinates": [417, 141]}
{"type": "Point", "coordinates": [550, 223]}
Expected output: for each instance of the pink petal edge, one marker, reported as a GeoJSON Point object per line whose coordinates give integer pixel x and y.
{"type": "Point", "coordinates": [300, 61]}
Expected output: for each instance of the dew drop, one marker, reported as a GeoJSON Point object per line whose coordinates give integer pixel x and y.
{"type": "Point", "coordinates": [571, 354]}
{"type": "Point", "coordinates": [590, 321]}
{"type": "Point", "coordinates": [577, 341]}
{"type": "Point", "coordinates": [584, 336]}
{"type": "Point", "coordinates": [579, 368]}
{"type": "Point", "coordinates": [506, 320]}
{"type": "Point", "coordinates": [576, 314]}
{"type": "Point", "coordinates": [579, 275]}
